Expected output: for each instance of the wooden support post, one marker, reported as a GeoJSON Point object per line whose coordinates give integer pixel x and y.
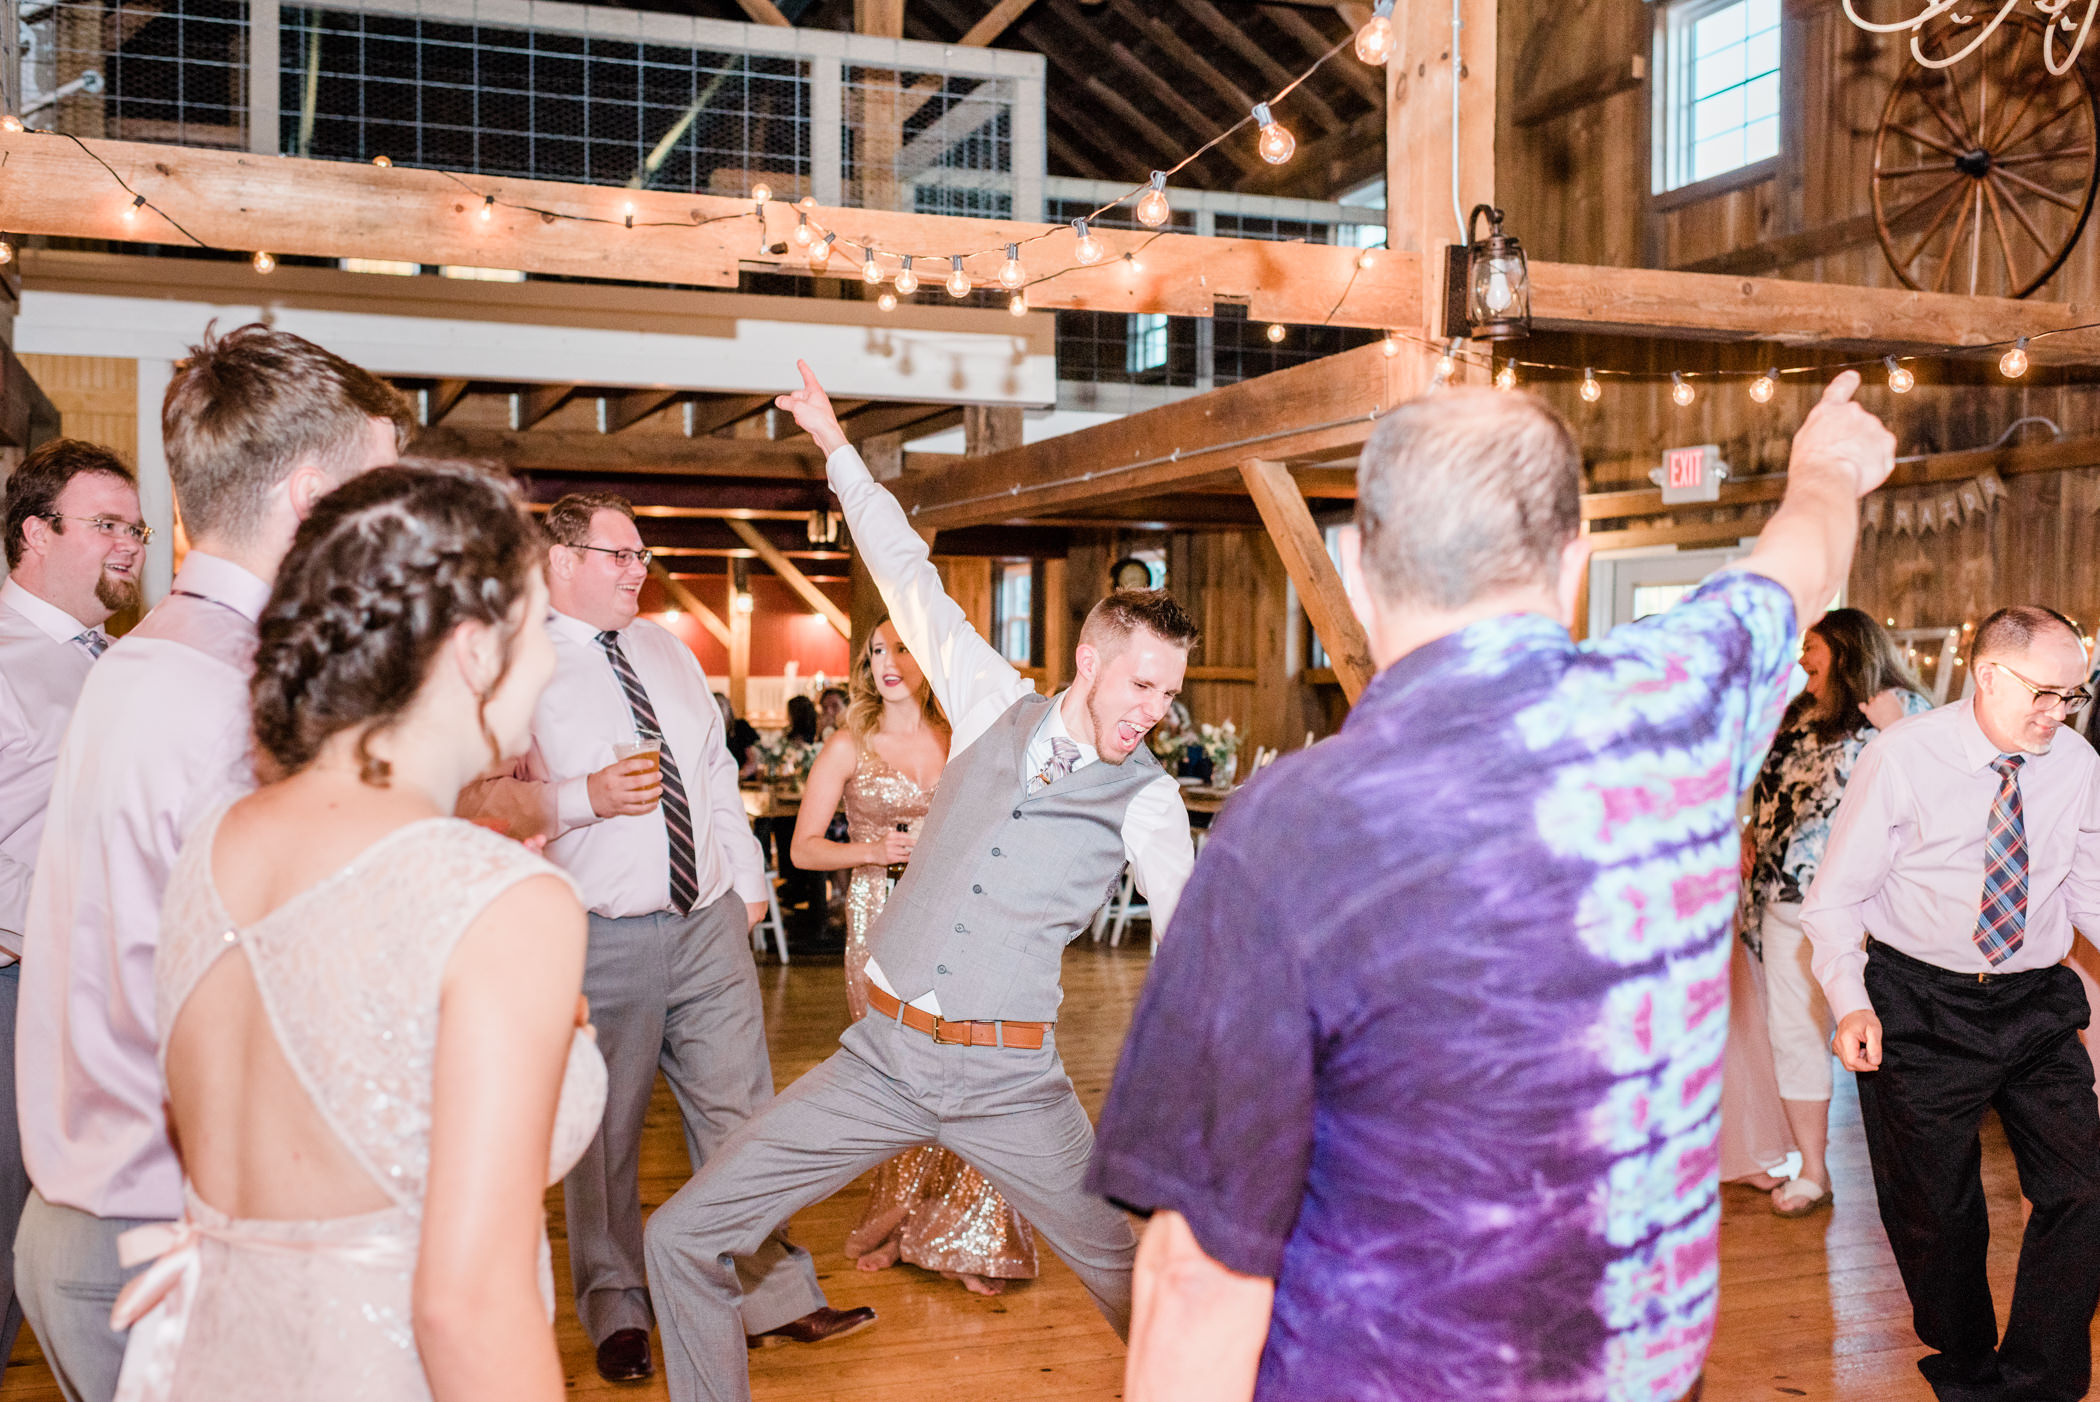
{"type": "Point", "coordinates": [801, 583]}
{"type": "Point", "coordinates": [1057, 628]}
{"type": "Point", "coordinates": [690, 602]}
{"type": "Point", "coordinates": [1422, 207]}
{"type": "Point", "coordinates": [990, 428]}
{"type": "Point", "coordinates": [884, 455]}
{"type": "Point", "coordinates": [739, 645]}
{"type": "Point", "coordinates": [1290, 524]}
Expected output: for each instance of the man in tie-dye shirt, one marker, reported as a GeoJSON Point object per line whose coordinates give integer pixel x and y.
{"type": "Point", "coordinates": [1424, 1090]}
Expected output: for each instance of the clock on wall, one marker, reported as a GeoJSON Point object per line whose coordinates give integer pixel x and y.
{"type": "Point", "coordinates": [1130, 573]}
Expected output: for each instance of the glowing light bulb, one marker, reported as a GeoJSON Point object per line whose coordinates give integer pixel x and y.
{"type": "Point", "coordinates": [887, 301]}
{"type": "Point", "coordinates": [1901, 380]}
{"type": "Point", "coordinates": [1366, 258]}
{"type": "Point", "coordinates": [488, 208]}
{"type": "Point", "coordinates": [807, 202]}
{"type": "Point", "coordinates": [1498, 294]}
{"type": "Point", "coordinates": [627, 214]}
{"type": "Point", "coordinates": [820, 253]}
{"type": "Point", "coordinates": [1761, 388]}
{"type": "Point", "coordinates": [2013, 363]}
{"type": "Point", "coordinates": [1391, 347]}
{"type": "Point", "coordinates": [1152, 207]}
{"type": "Point", "coordinates": [1018, 304]}
{"type": "Point", "coordinates": [870, 270]}
{"type": "Point", "coordinates": [1088, 249]}
{"type": "Point", "coordinates": [383, 162]}
{"type": "Point", "coordinates": [1446, 366]}
{"type": "Point", "coordinates": [1506, 377]}
{"type": "Point", "coordinates": [804, 235]}
{"type": "Point", "coordinates": [958, 280]}
{"type": "Point", "coordinates": [263, 262]}
{"type": "Point", "coordinates": [1011, 273]}
{"type": "Point", "coordinates": [1275, 332]}
{"type": "Point", "coordinates": [1375, 41]}
{"type": "Point", "coordinates": [1131, 265]}
{"type": "Point", "coordinates": [761, 192]}
{"type": "Point", "coordinates": [7, 253]}
{"type": "Point", "coordinates": [1680, 392]}
{"type": "Point", "coordinates": [1275, 143]}
{"type": "Point", "coordinates": [10, 123]}
{"type": "Point", "coordinates": [744, 603]}
{"type": "Point", "coordinates": [907, 280]}
{"type": "Point", "coordinates": [1591, 390]}
{"type": "Point", "coordinates": [131, 211]}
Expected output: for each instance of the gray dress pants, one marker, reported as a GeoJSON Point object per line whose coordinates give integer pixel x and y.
{"type": "Point", "coordinates": [1011, 1114]}
{"type": "Point", "coordinates": [67, 1276]}
{"type": "Point", "coordinates": [678, 992]}
{"type": "Point", "coordinates": [14, 1179]}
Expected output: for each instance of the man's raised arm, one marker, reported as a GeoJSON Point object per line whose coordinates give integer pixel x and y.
{"type": "Point", "coordinates": [970, 679]}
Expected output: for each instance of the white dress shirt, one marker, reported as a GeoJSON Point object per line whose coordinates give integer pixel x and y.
{"type": "Point", "coordinates": [160, 737]}
{"type": "Point", "coordinates": [44, 661]}
{"type": "Point", "coordinates": [622, 865]}
{"type": "Point", "coordinates": [975, 686]}
{"type": "Point", "coordinates": [1906, 852]}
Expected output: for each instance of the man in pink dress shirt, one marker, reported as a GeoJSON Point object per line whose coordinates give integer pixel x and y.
{"type": "Point", "coordinates": [1966, 848]}
{"type": "Point", "coordinates": [258, 425]}
{"type": "Point", "coordinates": [74, 543]}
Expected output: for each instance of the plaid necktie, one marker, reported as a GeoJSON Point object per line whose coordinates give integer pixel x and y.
{"type": "Point", "coordinates": [2002, 923]}
{"type": "Point", "coordinates": [678, 818]}
{"type": "Point", "coordinates": [1063, 755]}
{"type": "Point", "coordinates": [96, 643]}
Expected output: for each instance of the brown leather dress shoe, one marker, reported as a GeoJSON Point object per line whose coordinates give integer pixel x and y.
{"type": "Point", "coordinates": [816, 1327]}
{"type": "Point", "coordinates": [624, 1357]}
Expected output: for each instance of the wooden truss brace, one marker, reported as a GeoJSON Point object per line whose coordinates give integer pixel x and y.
{"type": "Point", "coordinates": [690, 602]}
{"type": "Point", "coordinates": [1304, 551]}
{"type": "Point", "coordinates": [796, 580]}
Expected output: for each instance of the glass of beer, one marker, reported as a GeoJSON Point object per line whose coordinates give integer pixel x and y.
{"type": "Point", "coordinates": [643, 744]}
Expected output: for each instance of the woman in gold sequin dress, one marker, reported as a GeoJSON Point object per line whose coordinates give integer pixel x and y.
{"type": "Point", "coordinates": [928, 1207]}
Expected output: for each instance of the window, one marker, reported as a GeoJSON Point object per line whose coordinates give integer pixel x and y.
{"type": "Point", "coordinates": [1013, 610]}
{"type": "Point", "coordinates": [1719, 94]}
{"type": "Point", "coordinates": [1650, 599]}
{"type": "Point", "coordinates": [1147, 347]}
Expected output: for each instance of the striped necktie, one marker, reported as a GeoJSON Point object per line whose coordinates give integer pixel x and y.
{"type": "Point", "coordinates": [2002, 922]}
{"type": "Point", "coordinates": [1063, 756]}
{"type": "Point", "coordinates": [95, 642]}
{"type": "Point", "coordinates": [678, 817]}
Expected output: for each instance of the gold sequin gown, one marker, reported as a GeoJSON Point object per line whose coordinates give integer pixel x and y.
{"type": "Point", "coordinates": [944, 1213]}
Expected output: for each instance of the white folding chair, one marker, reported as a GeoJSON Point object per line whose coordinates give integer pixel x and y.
{"type": "Point", "coordinates": [771, 921]}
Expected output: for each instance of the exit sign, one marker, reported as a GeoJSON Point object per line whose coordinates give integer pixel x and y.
{"type": "Point", "coordinates": [1691, 474]}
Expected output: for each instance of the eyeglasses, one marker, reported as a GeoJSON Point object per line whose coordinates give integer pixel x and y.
{"type": "Point", "coordinates": [2073, 701]}
{"type": "Point", "coordinates": [105, 527]}
{"type": "Point", "coordinates": [622, 558]}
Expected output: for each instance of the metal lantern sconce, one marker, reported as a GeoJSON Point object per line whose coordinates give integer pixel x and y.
{"type": "Point", "coordinates": [1487, 283]}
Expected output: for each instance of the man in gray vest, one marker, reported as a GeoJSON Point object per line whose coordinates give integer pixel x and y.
{"type": "Point", "coordinates": [1042, 803]}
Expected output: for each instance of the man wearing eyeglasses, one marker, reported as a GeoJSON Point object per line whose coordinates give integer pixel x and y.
{"type": "Point", "coordinates": [1960, 859]}
{"type": "Point", "coordinates": [631, 781]}
{"type": "Point", "coordinates": [74, 548]}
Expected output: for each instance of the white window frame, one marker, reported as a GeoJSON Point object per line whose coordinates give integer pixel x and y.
{"type": "Point", "coordinates": [1674, 23]}
{"type": "Point", "coordinates": [1146, 348]}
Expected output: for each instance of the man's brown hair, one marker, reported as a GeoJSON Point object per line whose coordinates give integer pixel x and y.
{"type": "Point", "coordinates": [569, 520]}
{"type": "Point", "coordinates": [246, 408]}
{"type": "Point", "coordinates": [33, 488]}
{"type": "Point", "coordinates": [1110, 623]}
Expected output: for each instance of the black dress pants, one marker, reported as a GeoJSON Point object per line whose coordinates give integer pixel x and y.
{"type": "Point", "coordinates": [1952, 1045]}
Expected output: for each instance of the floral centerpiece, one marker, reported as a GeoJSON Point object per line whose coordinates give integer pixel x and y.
{"type": "Point", "coordinates": [1222, 744]}
{"type": "Point", "coordinates": [786, 761]}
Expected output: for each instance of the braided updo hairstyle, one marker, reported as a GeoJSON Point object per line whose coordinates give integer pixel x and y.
{"type": "Point", "coordinates": [378, 577]}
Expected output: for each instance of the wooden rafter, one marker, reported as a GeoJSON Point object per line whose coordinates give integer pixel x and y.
{"type": "Point", "coordinates": [994, 23]}
{"type": "Point", "coordinates": [1200, 71]}
{"type": "Point", "coordinates": [535, 402]}
{"type": "Point", "coordinates": [444, 397]}
{"type": "Point", "coordinates": [690, 602]}
{"type": "Point", "coordinates": [623, 411]}
{"type": "Point", "coordinates": [906, 420]}
{"type": "Point", "coordinates": [781, 565]}
{"type": "Point", "coordinates": [1316, 41]}
{"type": "Point", "coordinates": [562, 451]}
{"type": "Point", "coordinates": [1299, 541]}
{"type": "Point", "coordinates": [1169, 96]}
{"type": "Point", "coordinates": [1236, 38]}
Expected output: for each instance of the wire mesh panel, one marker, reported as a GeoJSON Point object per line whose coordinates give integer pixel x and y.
{"type": "Point", "coordinates": [542, 104]}
{"type": "Point", "coordinates": [930, 143]}
{"type": "Point", "coordinates": [138, 70]}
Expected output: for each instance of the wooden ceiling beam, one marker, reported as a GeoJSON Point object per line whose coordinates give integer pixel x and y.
{"type": "Point", "coordinates": [336, 209]}
{"type": "Point", "coordinates": [1323, 405]}
{"type": "Point", "coordinates": [535, 402]}
{"type": "Point", "coordinates": [781, 565]}
{"type": "Point", "coordinates": [765, 12]}
{"type": "Point", "coordinates": [1165, 145]}
{"type": "Point", "coordinates": [1167, 39]}
{"type": "Point", "coordinates": [1078, 161]}
{"type": "Point", "coordinates": [690, 602]}
{"type": "Point", "coordinates": [623, 411]}
{"type": "Point", "coordinates": [1234, 37]}
{"type": "Point", "coordinates": [908, 421]}
{"type": "Point", "coordinates": [705, 416]}
{"type": "Point", "coordinates": [994, 23]}
{"type": "Point", "coordinates": [563, 452]}
{"type": "Point", "coordinates": [443, 398]}
{"type": "Point", "coordinates": [1191, 115]}
{"type": "Point", "coordinates": [1315, 42]}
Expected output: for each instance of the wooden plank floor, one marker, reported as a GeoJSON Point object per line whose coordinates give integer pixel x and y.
{"type": "Point", "coordinates": [1809, 1309]}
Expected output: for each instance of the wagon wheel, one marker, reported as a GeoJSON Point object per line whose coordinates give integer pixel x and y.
{"type": "Point", "coordinates": [1984, 173]}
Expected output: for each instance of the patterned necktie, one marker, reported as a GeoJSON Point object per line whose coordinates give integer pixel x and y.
{"type": "Point", "coordinates": [96, 643]}
{"type": "Point", "coordinates": [1063, 755]}
{"type": "Point", "coordinates": [2002, 923]}
{"type": "Point", "coordinates": [678, 818]}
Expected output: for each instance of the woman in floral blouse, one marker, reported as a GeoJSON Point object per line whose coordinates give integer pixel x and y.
{"type": "Point", "coordinates": [1857, 686]}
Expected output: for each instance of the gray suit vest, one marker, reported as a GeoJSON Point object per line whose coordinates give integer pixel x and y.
{"type": "Point", "coordinates": [1000, 881]}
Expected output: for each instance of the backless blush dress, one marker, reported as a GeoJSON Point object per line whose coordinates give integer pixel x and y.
{"type": "Point", "coordinates": [349, 973]}
{"type": "Point", "coordinates": [945, 1215]}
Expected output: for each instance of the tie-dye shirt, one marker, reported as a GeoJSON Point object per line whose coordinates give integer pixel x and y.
{"type": "Point", "coordinates": [1434, 1040]}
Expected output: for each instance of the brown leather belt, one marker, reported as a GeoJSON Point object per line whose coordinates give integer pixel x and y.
{"type": "Point", "coordinates": [1024, 1036]}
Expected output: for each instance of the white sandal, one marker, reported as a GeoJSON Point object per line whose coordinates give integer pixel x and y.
{"type": "Point", "coordinates": [1798, 1197]}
